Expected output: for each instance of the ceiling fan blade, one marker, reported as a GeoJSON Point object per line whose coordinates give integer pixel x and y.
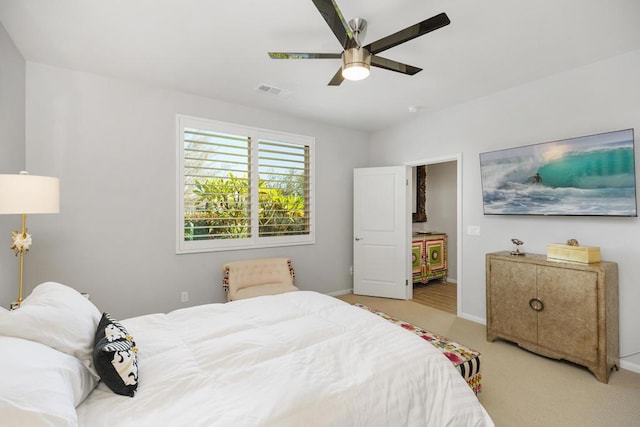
{"type": "Point", "coordinates": [409, 33]}
{"type": "Point", "coordinates": [337, 78]}
{"type": "Point", "coordinates": [302, 55]}
{"type": "Point", "coordinates": [334, 18]}
{"type": "Point", "coordinates": [388, 64]}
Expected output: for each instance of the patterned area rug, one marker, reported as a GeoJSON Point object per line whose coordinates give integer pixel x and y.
{"type": "Point", "coordinates": [467, 361]}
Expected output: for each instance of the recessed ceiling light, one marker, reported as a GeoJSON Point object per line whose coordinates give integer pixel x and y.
{"type": "Point", "coordinates": [413, 108]}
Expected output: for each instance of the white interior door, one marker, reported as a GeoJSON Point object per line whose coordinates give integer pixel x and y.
{"type": "Point", "coordinates": [381, 261]}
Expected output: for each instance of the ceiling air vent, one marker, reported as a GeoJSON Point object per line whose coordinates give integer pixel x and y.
{"type": "Point", "coordinates": [271, 90]}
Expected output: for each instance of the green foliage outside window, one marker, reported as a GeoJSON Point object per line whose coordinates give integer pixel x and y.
{"type": "Point", "coordinates": [222, 208]}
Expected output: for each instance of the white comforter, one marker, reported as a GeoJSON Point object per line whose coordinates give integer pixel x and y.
{"type": "Point", "coordinates": [295, 359]}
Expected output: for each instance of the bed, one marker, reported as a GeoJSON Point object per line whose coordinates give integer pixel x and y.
{"type": "Point", "coordinates": [299, 358]}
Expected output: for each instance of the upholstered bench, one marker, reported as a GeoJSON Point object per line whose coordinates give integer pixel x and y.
{"type": "Point", "coordinates": [256, 277]}
{"type": "Point", "coordinates": [466, 361]}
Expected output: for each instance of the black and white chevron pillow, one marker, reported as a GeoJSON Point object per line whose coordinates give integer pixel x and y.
{"type": "Point", "coordinates": [115, 356]}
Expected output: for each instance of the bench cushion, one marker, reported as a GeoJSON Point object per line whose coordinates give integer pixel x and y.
{"type": "Point", "coordinates": [266, 289]}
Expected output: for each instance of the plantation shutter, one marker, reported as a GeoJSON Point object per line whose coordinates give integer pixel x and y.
{"type": "Point", "coordinates": [240, 187]}
{"type": "Point", "coordinates": [283, 190]}
{"type": "Point", "coordinates": [217, 190]}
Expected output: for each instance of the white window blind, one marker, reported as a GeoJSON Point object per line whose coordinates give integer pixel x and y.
{"type": "Point", "coordinates": [283, 202]}
{"type": "Point", "coordinates": [242, 187]}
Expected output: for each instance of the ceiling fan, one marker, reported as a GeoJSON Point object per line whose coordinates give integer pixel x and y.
{"type": "Point", "coordinates": [356, 58]}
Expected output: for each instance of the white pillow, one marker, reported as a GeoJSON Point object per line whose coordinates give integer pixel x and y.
{"type": "Point", "coordinates": [40, 385]}
{"type": "Point", "coordinates": [57, 316]}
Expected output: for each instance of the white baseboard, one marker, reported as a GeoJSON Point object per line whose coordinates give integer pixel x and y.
{"type": "Point", "coordinates": [473, 318]}
{"type": "Point", "coordinates": [342, 292]}
{"type": "Point", "coordinates": [630, 366]}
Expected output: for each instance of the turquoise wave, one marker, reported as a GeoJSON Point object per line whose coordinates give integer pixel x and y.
{"type": "Point", "coordinates": [591, 170]}
{"type": "Point", "coordinates": [591, 175]}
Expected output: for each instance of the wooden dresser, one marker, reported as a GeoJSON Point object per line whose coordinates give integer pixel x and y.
{"type": "Point", "coordinates": [429, 257]}
{"type": "Point", "coordinates": [557, 309]}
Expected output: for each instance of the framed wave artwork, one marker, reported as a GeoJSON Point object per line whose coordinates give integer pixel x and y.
{"type": "Point", "coordinates": [586, 176]}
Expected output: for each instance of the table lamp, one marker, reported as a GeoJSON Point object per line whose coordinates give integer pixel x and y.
{"type": "Point", "coordinates": [27, 194]}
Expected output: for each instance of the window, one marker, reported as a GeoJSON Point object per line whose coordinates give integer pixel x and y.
{"type": "Point", "coordinates": [241, 187]}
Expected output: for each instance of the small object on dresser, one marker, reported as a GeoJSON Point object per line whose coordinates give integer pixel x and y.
{"type": "Point", "coordinates": [518, 243]}
{"type": "Point", "coordinates": [571, 252]}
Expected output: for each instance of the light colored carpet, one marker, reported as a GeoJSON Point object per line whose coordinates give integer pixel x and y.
{"type": "Point", "coordinates": [436, 294]}
{"type": "Point", "coordinates": [523, 389]}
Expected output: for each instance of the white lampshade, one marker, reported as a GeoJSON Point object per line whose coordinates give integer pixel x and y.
{"type": "Point", "coordinates": [29, 194]}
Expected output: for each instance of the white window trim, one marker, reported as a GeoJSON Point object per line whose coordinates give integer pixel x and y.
{"type": "Point", "coordinates": [254, 242]}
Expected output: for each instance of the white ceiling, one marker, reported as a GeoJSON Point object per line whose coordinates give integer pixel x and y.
{"type": "Point", "coordinates": [219, 49]}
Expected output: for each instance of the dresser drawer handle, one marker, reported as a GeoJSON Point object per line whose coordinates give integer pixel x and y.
{"type": "Point", "coordinates": [536, 304]}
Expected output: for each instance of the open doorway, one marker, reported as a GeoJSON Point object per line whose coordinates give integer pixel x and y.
{"type": "Point", "coordinates": [436, 233]}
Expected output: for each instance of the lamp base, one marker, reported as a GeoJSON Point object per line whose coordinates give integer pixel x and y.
{"type": "Point", "coordinates": [15, 305]}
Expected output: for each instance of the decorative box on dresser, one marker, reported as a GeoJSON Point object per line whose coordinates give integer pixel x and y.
{"type": "Point", "coordinates": [560, 310]}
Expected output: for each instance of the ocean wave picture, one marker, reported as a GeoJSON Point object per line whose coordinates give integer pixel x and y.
{"type": "Point", "coordinates": [590, 175]}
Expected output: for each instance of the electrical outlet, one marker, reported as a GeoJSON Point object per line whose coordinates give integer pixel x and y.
{"type": "Point", "coordinates": [184, 296]}
{"type": "Point", "coordinates": [473, 230]}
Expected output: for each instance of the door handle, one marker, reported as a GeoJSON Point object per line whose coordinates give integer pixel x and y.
{"type": "Point", "coordinates": [359, 238]}
{"type": "Point", "coordinates": [536, 304]}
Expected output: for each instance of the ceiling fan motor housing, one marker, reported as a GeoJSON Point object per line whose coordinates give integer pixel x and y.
{"type": "Point", "coordinates": [359, 28]}
{"type": "Point", "coordinates": [356, 63]}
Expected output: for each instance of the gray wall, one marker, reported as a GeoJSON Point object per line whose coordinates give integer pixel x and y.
{"type": "Point", "coordinates": [596, 98]}
{"type": "Point", "coordinates": [442, 208]}
{"type": "Point", "coordinates": [113, 146]}
{"type": "Point", "coordinates": [12, 153]}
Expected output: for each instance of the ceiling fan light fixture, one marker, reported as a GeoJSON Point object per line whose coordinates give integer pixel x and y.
{"type": "Point", "coordinates": [355, 71]}
{"type": "Point", "coordinates": [356, 63]}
